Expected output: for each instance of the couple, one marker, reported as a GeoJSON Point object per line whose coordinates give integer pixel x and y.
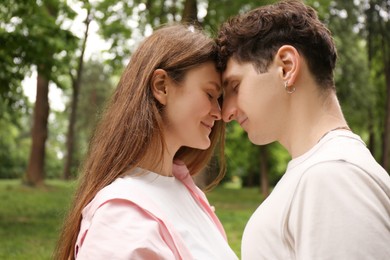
{"type": "Point", "coordinates": [136, 198]}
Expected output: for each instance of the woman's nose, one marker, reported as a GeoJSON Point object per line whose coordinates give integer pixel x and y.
{"type": "Point", "coordinates": [229, 111]}
{"type": "Point", "coordinates": [216, 111]}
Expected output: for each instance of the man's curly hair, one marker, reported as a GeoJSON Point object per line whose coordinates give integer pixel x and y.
{"type": "Point", "coordinates": [257, 35]}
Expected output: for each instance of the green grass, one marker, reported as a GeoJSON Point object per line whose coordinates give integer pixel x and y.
{"type": "Point", "coordinates": [234, 207]}
{"type": "Point", "coordinates": [30, 219]}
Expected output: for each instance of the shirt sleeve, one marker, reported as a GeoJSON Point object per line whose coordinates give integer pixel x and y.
{"type": "Point", "coordinates": [120, 230]}
{"type": "Point", "coordinates": [339, 212]}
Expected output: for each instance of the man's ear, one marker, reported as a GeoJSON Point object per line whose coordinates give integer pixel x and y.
{"type": "Point", "coordinates": [289, 61]}
{"type": "Point", "coordinates": [159, 85]}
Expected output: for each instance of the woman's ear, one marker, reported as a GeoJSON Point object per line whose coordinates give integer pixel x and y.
{"type": "Point", "coordinates": [159, 85]}
{"type": "Point", "coordinates": [289, 61]}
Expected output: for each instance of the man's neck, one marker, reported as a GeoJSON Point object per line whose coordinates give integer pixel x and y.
{"type": "Point", "coordinates": [313, 116]}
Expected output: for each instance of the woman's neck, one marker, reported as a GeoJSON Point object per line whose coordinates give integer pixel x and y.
{"type": "Point", "coordinates": [153, 161]}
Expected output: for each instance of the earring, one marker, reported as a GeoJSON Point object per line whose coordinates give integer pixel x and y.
{"type": "Point", "coordinates": [288, 89]}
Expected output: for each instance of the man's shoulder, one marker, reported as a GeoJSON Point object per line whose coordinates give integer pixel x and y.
{"type": "Point", "coordinates": [344, 147]}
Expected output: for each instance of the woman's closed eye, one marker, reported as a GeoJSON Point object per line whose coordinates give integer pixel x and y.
{"type": "Point", "coordinates": [213, 94]}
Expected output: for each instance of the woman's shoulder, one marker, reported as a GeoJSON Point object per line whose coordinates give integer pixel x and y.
{"type": "Point", "coordinates": [137, 188]}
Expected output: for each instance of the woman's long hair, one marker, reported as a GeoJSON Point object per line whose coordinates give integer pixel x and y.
{"type": "Point", "coordinates": [130, 131]}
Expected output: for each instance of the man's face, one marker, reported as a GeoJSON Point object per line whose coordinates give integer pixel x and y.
{"type": "Point", "coordinates": [257, 101]}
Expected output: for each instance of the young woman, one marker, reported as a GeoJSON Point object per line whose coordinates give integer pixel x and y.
{"type": "Point", "coordinates": [136, 198]}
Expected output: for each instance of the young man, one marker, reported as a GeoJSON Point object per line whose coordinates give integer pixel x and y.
{"type": "Point", "coordinates": [333, 202]}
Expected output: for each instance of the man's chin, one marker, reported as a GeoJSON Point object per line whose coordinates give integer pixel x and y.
{"type": "Point", "coordinates": [257, 140]}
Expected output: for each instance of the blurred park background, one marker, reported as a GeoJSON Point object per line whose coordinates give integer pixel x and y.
{"type": "Point", "coordinates": [61, 59]}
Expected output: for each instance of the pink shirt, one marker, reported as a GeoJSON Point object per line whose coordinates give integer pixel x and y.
{"type": "Point", "coordinates": [125, 222]}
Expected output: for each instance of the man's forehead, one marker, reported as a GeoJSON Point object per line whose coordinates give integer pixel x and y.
{"type": "Point", "coordinates": [233, 69]}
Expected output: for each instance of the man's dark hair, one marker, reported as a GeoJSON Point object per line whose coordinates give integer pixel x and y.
{"type": "Point", "coordinates": [257, 35]}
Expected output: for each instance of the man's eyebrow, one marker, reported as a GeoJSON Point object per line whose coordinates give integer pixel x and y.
{"type": "Point", "coordinates": [227, 80]}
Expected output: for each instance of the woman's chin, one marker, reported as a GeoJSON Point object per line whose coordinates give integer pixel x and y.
{"type": "Point", "coordinates": [204, 145]}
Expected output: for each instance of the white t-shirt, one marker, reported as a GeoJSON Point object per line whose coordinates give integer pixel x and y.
{"type": "Point", "coordinates": [333, 202]}
{"type": "Point", "coordinates": [118, 230]}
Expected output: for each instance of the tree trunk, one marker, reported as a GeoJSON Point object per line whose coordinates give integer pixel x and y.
{"type": "Point", "coordinates": [190, 12]}
{"type": "Point", "coordinates": [370, 51]}
{"type": "Point", "coordinates": [386, 134]}
{"type": "Point", "coordinates": [377, 32]}
{"type": "Point", "coordinates": [384, 39]}
{"type": "Point", "coordinates": [264, 182]}
{"type": "Point", "coordinates": [70, 134]}
{"type": "Point", "coordinates": [76, 84]}
{"type": "Point", "coordinates": [250, 179]}
{"type": "Point", "coordinates": [371, 138]}
{"type": "Point", "coordinates": [35, 171]}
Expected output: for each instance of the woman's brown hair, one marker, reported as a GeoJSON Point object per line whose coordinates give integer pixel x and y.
{"type": "Point", "coordinates": [130, 131]}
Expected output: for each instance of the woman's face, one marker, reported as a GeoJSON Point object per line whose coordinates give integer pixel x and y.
{"type": "Point", "coordinates": [192, 108]}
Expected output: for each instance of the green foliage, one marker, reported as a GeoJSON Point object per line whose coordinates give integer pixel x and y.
{"type": "Point", "coordinates": [30, 35]}
{"type": "Point", "coordinates": [240, 153]}
{"type": "Point", "coordinates": [278, 158]}
{"type": "Point", "coordinates": [36, 32]}
{"type": "Point", "coordinates": [12, 67]}
{"type": "Point", "coordinates": [55, 145]}
{"type": "Point", "coordinates": [125, 23]}
{"type": "Point", "coordinates": [14, 145]}
{"type": "Point", "coordinates": [354, 90]}
{"type": "Point", "coordinates": [378, 45]}
{"type": "Point", "coordinates": [243, 157]}
{"type": "Point", "coordinates": [96, 88]}
{"type": "Point", "coordinates": [216, 15]}
{"type": "Point", "coordinates": [117, 26]}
